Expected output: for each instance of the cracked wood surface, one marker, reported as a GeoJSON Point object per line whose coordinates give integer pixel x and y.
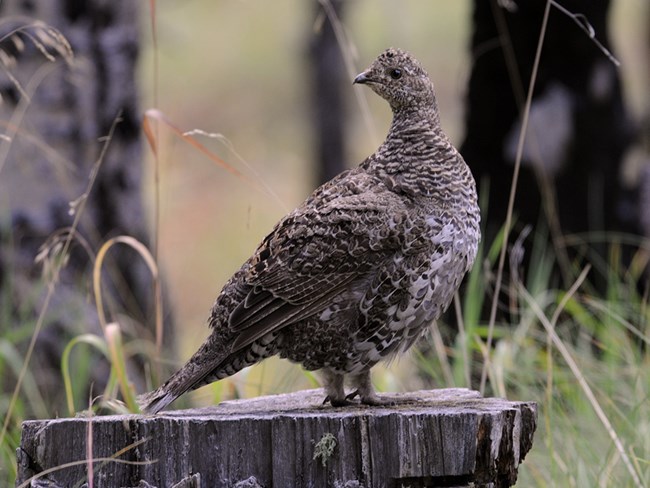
{"type": "Point", "coordinates": [447, 437]}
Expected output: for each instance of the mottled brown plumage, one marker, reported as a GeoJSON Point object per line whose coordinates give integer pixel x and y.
{"type": "Point", "coordinates": [358, 272]}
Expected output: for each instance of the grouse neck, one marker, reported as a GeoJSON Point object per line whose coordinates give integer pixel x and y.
{"type": "Point", "coordinates": [409, 119]}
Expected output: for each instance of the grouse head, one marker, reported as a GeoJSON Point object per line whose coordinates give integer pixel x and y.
{"type": "Point", "coordinates": [399, 78]}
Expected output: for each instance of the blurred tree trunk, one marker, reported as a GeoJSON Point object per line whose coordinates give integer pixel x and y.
{"type": "Point", "coordinates": [578, 134]}
{"type": "Point", "coordinates": [579, 128]}
{"type": "Point", "coordinates": [56, 114]}
{"type": "Point", "coordinates": [328, 75]}
{"type": "Point", "coordinates": [645, 141]}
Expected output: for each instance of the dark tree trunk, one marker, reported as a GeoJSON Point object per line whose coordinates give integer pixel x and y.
{"type": "Point", "coordinates": [579, 127]}
{"type": "Point", "coordinates": [645, 143]}
{"type": "Point", "coordinates": [328, 75]}
{"type": "Point", "coordinates": [48, 161]}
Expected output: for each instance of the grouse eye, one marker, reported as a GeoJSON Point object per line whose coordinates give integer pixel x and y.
{"type": "Point", "coordinates": [395, 73]}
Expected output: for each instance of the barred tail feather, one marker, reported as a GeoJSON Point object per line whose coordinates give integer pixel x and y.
{"type": "Point", "coordinates": [154, 401]}
{"type": "Point", "coordinates": [192, 375]}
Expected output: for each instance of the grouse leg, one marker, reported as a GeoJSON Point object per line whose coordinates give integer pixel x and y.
{"type": "Point", "coordinates": [366, 391]}
{"type": "Point", "coordinates": [333, 384]}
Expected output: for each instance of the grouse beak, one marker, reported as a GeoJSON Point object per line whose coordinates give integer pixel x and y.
{"type": "Point", "coordinates": [361, 79]}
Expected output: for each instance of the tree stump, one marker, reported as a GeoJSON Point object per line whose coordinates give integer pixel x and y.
{"type": "Point", "coordinates": [450, 437]}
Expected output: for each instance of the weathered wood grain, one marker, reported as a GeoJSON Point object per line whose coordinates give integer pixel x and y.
{"type": "Point", "coordinates": [450, 437]}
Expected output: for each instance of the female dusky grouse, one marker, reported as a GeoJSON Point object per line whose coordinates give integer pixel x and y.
{"type": "Point", "coordinates": [360, 270]}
